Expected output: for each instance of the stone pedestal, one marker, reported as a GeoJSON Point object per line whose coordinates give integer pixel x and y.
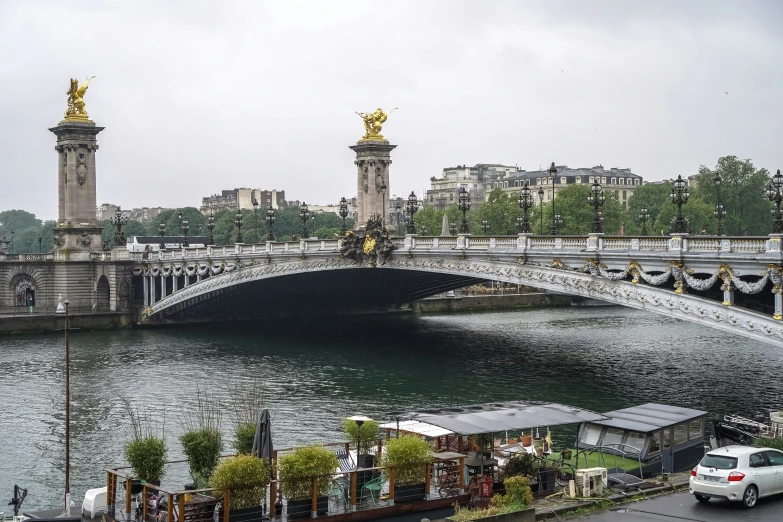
{"type": "Point", "coordinates": [78, 230]}
{"type": "Point", "coordinates": [372, 166]}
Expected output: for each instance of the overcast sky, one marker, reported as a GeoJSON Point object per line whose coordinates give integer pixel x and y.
{"type": "Point", "coordinates": [202, 96]}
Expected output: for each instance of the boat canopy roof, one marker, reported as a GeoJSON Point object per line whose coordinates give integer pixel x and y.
{"type": "Point", "coordinates": [419, 428]}
{"type": "Point", "coordinates": [501, 416]}
{"type": "Point", "coordinates": [649, 417]}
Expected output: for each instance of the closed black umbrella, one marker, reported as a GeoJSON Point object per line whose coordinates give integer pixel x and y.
{"type": "Point", "coordinates": [262, 441]}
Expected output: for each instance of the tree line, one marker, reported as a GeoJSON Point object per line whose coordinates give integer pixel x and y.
{"type": "Point", "coordinates": [741, 192]}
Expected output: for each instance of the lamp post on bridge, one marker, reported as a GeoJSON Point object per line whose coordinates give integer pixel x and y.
{"type": "Point", "coordinates": [343, 214]}
{"type": "Point", "coordinates": [596, 199]}
{"type": "Point", "coordinates": [541, 206]}
{"type": "Point", "coordinates": [774, 194]}
{"type": "Point", "coordinates": [162, 232]}
{"type": "Point", "coordinates": [238, 222]}
{"type": "Point", "coordinates": [383, 204]}
{"type": "Point", "coordinates": [118, 221]}
{"type": "Point", "coordinates": [412, 208]}
{"type": "Point", "coordinates": [643, 217]}
{"type": "Point", "coordinates": [464, 206]}
{"type": "Point", "coordinates": [270, 221]}
{"type": "Point", "coordinates": [555, 229]}
{"type": "Point", "coordinates": [525, 202]}
{"type": "Point", "coordinates": [254, 202]}
{"type": "Point", "coordinates": [452, 228]}
{"type": "Point", "coordinates": [304, 215]}
{"type": "Point", "coordinates": [679, 196]}
{"type": "Point", "coordinates": [720, 210]}
{"type": "Point", "coordinates": [211, 227]}
{"type": "Point", "coordinates": [558, 222]}
{"type": "Point", "coordinates": [485, 226]}
{"type": "Point", "coordinates": [185, 230]}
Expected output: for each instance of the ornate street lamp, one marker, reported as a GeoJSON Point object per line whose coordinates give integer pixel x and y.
{"type": "Point", "coordinates": [304, 215]}
{"type": "Point", "coordinates": [679, 196]}
{"type": "Point", "coordinates": [720, 210]}
{"type": "Point", "coordinates": [775, 194]}
{"type": "Point", "coordinates": [312, 221]}
{"type": "Point", "coordinates": [525, 203]}
{"type": "Point", "coordinates": [40, 248]}
{"type": "Point", "coordinates": [343, 214]}
{"type": "Point", "coordinates": [464, 205]}
{"type": "Point", "coordinates": [162, 232]}
{"type": "Point", "coordinates": [596, 199]}
{"type": "Point", "coordinates": [254, 201]}
{"type": "Point", "coordinates": [211, 226]}
{"type": "Point", "coordinates": [452, 228]}
{"type": "Point", "coordinates": [118, 220]}
{"type": "Point", "coordinates": [238, 223]}
{"type": "Point", "coordinates": [559, 223]}
{"type": "Point", "coordinates": [555, 230]}
{"type": "Point", "coordinates": [270, 222]}
{"type": "Point", "coordinates": [383, 203]}
{"type": "Point", "coordinates": [423, 230]}
{"type": "Point", "coordinates": [643, 217]}
{"type": "Point", "coordinates": [485, 226]}
{"type": "Point", "coordinates": [412, 208]}
{"type": "Point", "coordinates": [541, 206]}
{"type": "Point", "coordinates": [185, 229]}
{"type": "Point", "coordinates": [12, 240]}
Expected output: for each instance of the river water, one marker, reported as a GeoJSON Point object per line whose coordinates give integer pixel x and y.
{"type": "Point", "coordinates": [315, 374]}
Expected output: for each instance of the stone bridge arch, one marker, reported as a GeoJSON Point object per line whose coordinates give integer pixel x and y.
{"type": "Point", "coordinates": [23, 283]}
{"type": "Point", "coordinates": [407, 278]}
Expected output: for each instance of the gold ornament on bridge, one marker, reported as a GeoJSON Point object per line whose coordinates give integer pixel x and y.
{"type": "Point", "coordinates": [75, 110]}
{"type": "Point", "coordinates": [373, 122]}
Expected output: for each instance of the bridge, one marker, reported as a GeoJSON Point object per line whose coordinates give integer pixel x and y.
{"type": "Point", "coordinates": [729, 283]}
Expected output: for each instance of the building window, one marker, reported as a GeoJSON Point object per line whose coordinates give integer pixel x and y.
{"type": "Point", "coordinates": [625, 195]}
{"type": "Point", "coordinates": [451, 197]}
{"type": "Point", "coordinates": [680, 434]}
{"type": "Point", "coordinates": [591, 179]}
{"type": "Point", "coordinates": [431, 199]}
{"type": "Point", "coordinates": [622, 181]}
{"type": "Point", "coordinates": [614, 181]}
{"type": "Point", "coordinates": [563, 180]}
{"type": "Point", "coordinates": [603, 180]}
{"type": "Point", "coordinates": [579, 179]}
{"type": "Point", "coordinates": [629, 182]}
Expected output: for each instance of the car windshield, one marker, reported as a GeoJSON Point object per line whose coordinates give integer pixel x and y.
{"type": "Point", "coordinates": [718, 462]}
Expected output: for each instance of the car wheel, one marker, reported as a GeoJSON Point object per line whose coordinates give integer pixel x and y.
{"type": "Point", "coordinates": [750, 497]}
{"type": "Point", "coordinates": [701, 498]}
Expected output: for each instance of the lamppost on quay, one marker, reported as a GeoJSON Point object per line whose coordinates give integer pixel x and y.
{"type": "Point", "coordinates": [304, 215]}
{"type": "Point", "coordinates": [343, 214]}
{"type": "Point", "coordinates": [679, 196]}
{"type": "Point", "coordinates": [525, 202]}
{"type": "Point", "coordinates": [238, 223]}
{"type": "Point", "coordinates": [118, 221]}
{"type": "Point", "coordinates": [270, 221]}
{"type": "Point", "coordinates": [541, 206]}
{"type": "Point", "coordinates": [555, 229]}
{"type": "Point", "coordinates": [162, 232]}
{"type": "Point", "coordinates": [464, 205]}
{"type": "Point", "coordinates": [720, 210]}
{"type": "Point", "coordinates": [254, 202]}
{"type": "Point", "coordinates": [452, 228]}
{"type": "Point", "coordinates": [774, 194]}
{"type": "Point", "coordinates": [485, 226]}
{"type": "Point", "coordinates": [643, 217]}
{"type": "Point", "coordinates": [412, 208]}
{"type": "Point", "coordinates": [596, 199]}
{"type": "Point", "coordinates": [63, 308]}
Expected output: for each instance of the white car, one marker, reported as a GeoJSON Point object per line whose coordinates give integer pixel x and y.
{"type": "Point", "coordinates": [739, 473]}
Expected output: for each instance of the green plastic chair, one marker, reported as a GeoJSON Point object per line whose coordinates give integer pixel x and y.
{"type": "Point", "coordinates": [338, 490]}
{"type": "Point", "coordinates": [374, 486]}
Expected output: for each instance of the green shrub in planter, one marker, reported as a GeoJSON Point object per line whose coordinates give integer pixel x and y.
{"type": "Point", "coordinates": [519, 464]}
{"type": "Point", "coordinates": [147, 457]}
{"type": "Point", "coordinates": [297, 469]}
{"type": "Point", "coordinates": [518, 493]}
{"type": "Point", "coordinates": [242, 470]}
{"type": "Point", "coordinates": [407, 454]}
{"type": "Point", "coordinates": [369, 432]}
{"type": "Point", "coordinates": [202, 448]}
{"type": "Point", "coordinates": [244, 434]}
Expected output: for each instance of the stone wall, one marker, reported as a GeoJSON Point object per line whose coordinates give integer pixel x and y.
{"type": "Point", "coordinates": [489, 302]}
{"type": "Point", "coordinates": [44, 323]}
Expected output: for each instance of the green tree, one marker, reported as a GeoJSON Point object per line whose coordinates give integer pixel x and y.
{"type": "Point", "coordinates": [501, 211]}
{"type": "Point", "coordinates": [430, 219]}
{"type": "Point", "coordinates": [131, 228]}
{"type": "Point", "coordinates": [653, 197]}
{"type": "Point", "coordinates": [18, 221]}
{"type": "Point", "coordinates": [741, 192]}
{"type": "Point", "coordinates": [197, 222]}
{"type": "Point", "coordinates": [697, 213]}
{"type": "Point", "coordinates": [577, 214]}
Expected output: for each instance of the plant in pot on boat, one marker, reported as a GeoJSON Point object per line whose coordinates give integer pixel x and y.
{"type": "Point", "coordinates": [408, 455]}
{"type": "Point", "coordinates": [202, 442]}
{"type": "Point", "coordinates": [245, 476]}
{"type": "Point", "coordinates": [296, 472]}
{"type": "Point", "coordinates": [362, 431]}
{"type": "Point", "coordinates": [146, 453]}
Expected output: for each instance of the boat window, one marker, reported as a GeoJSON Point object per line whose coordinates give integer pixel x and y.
{"type": "Point", "coordinates": [680, 433]}
{"type": "Point", "coordinates": [718, 461]}
{"type": "Point", "coordinates": [634, 442]}
{"type": "Point", "coordinates": [655, 443]}
{"type": "Point", "coordinates": [667, 438]}
{"type": "Point", "coordinates": [590, 434]}
{"type": "Point", "coordinates": [613, 436]}
{"type": "Point", "coordinates": [695, 430]}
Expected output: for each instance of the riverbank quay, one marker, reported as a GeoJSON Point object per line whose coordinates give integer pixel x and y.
{"type": "Point", "coordinates": [470, 303]}
{"type": "Point", "coordinates": [22, 321]}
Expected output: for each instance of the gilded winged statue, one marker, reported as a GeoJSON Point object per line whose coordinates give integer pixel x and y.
{"type": "Point", "coordinates": [75, 94]}
{"type": "Point", "coordinates": [373, 122]}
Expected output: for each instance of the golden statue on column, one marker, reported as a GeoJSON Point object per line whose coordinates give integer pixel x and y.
{"type": "Point", "coordinates": [75, 110]}
{"type": "Point", "coordinates": [373, 122]}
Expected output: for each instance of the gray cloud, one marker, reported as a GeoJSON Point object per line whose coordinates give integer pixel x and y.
{"type": "Point", "coordinates": [202, 96]}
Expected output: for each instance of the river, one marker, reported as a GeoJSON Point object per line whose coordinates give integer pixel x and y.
{"type": "Point", "coordinates": [316, 373]}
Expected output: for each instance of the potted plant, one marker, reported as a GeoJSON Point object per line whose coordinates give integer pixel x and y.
{"type": "Point", "coordinates": [202, 448]}
{"type": "Point", "coordinates": [296, 472]}
{"type": "Point", "coordinates": [407, 455]}
{"type": "Point", "coordinates": [245, 476]}
{"type": "Point", "coordinates": [146, 453]}
{"type": "Point", "coordinates": [364, 435]}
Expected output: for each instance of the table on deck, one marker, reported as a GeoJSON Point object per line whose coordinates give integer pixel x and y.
{"type": "Point", "coordinates": [474, 465]}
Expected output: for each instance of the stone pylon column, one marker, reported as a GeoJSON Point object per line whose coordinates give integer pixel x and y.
{"type": "Point", "coordinates": [372, 169]}
{"type": "Point", "coordinates": [78, 230]}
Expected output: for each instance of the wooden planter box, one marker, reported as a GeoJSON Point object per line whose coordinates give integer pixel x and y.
{"type": "Point", "coordinates": [248, 514]}
{"type": "Point", "coordinates": [410, 493]}
{"type": "Point", "coordinates": [526, 515]}
{"type": "Point", "coordinates": [304, 508]}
